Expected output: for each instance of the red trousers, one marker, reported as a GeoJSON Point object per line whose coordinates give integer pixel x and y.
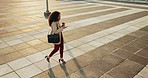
{"type": "Point", "coordinates": [57, 47]}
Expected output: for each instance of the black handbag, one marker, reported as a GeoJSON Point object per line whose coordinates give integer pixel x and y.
{"type": "Point", "coordinates": [53, 38]}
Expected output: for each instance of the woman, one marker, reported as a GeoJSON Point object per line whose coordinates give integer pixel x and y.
{"type": "Point", "coordinates": [53, 20]}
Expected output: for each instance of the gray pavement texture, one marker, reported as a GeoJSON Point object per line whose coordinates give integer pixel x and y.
{"type": "Point", "coordinates": [103, 40]}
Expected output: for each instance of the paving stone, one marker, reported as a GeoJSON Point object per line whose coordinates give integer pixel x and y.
{"type": "Point", "coordinates": [122, 53]}
{"type": "Point", "coordinates": [102, 65]}
{"type": "Point", "coordinates": [106, 76]}
{"type": "Point", "coordinates": [28, 51]}
{"type": "Point", "coordinates": [10, 75]}
{"type": "Point", "coordinates": [1, 61]}
{"type": "Point", "coordinates": [28, 71]}
{"type": "Point", "coordinates": [89, 72]}
{"type": "Point", "coordinates": [143, 72]}
{"type": "Point", "coordinates": [139, 59]}
{"type": "Point", "coordinates": [20, 46]}
{"type": "Point", "coordinates": [138, 33]}
{"type": "Point", "coordinates": [145, 29]}
{"type": "Point", "coordinates": [137, 76]}
{"type": "Point", "coordinates": [126, 39]}
{"type": "Point", "coordinates": [43, 75]}
{"type": "Point", "coordinates": [72, 66]}
{"type": "Point", "coordinates": [85, 59]}
{"type": "Point", "coordinates": [11, 57]}
{"type": "Point", "coordinates": [17, 64]}
{"type": "Point", "coordinates": [137, 45]}
{"type": "Point", "coordinates": [73, 75]}
{"type": "Point", "coordinates": [143, 41]}
{"type": "Point", "coordinates": [99, 52]}
{"type": "Point", "coordinates": [41, 46]}
{"type": "Point", "coordinates": [5, 69]}
{"type": "Point", "coordinates": [34, 42]}
{"type": "Point", "coordinates": [131, 66]}
{"type": "Point", "coordinates": [117, 43]}
{"type": "Point", "coordinates": [120, 73]}
{"type": "Point", "coordinates": [130, 49]}
{"type": "Point", "coordinates": [6, 50]}
{"type": "Point", "coordinates": [58, 72]}
{"type": "Point", "coordinates": [112, 59]}
{"type": "Point", "coordinates": [143, 52]}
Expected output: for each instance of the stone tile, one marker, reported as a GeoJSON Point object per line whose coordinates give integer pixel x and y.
{"type": "Point", "coordinates": [41, 46]}
{"type": "Point", "coordinates": [14, 42]}
{"type": "Point", "coordinates": [72, 66]}
{"type": "Point", "coordinates": [21, 35]}
{"type": "Point", "coordinates": [86, 47]}
{"type": "Point", "coordinates": [114, 60]}
{"type": "Point", "coordinates": [106, 76]}
{"type": "Point", "coordinates": [33, 32]}
{"type": "Point", "coordinates": [9, 38]}
{"type": "Point", "coordinates": [117, 43]}
{"type": "Point", "coordinates": [143, 73]}
{"type": "Point", "coordinates": [1, 61]}
{"type": "Point", "coordinates": [130, 49]}
{"type": "Point", "coordinates": [143, 41]}
{"type": "Point", "coordinates": [126, 39]}
{"type": "Point", "coordinates": [20, 46]}
{"type": "Point", "coordinates": [95, 44]}
{"type": "Point", "coordinates": [137, 45]}
{"type": "Point", "coordinates": [103, 40]}
{"type": "Point", "coordinates": [6, 50]}
{"type": "Point", "coordinates": [122, 53]}
{"type": "Point", "coordinates": [39, 35]}
{"type": "Point", "coordinates": [67, 47]}
{"type": "Point", "coordinates": [36, 57]}
{"type": "Point", "coordinates": [102, 65]}
{"type": "Point", "coordinates": [5, 69]}
{"type": "Point", "coordinates": [120, 73]}
{"type": "Point", "coordinates": [43, 39]}
{"type": "Point", "coordinates": [137, 76]}
{"type": "Point", "coordinates": [43, 75]}
{"type": "Point", "coordinates": [83, 61]}
{"type": "Point", "coordinates": [131, 66]}
{"type": "Point", "coordinates": [58, 72]}
{"type": "Point", "coordinates": [3, 45]}
{"type": "Point", "coordinates": [44, 65]}
{"type": "Point", "coordinates": [10, 75]}
{"type": "Point", "coordinates": [27, 38]}
{"type": "Point", "coordinates": [34, 42]}
{"type": "Point", "coordinates": [138, 33]}
{"type": "Point", "coordinates": [28, 51]}
{"type": "Point", "coordinates": [17, 64]}
{"type": "Point", "coordinates": [11, 56]}
{"type": "Point", "coordinates": [110, 48]}
{"type": "Point", "coordinates": [73, 75]}
{"type": "Point", "coordinates": [99, 52]}
{"type": "Point", "coordinates": [74, 43]}
{"type": "Point", "coordinates": [47, 51]}
{"type": "Point", "coordinates": [90, 71]}
{"type": "Point", "coordinates": [28, 71]}
{"type": "Point", "coordinates": [145, 37]}
{"type": "Point", "coordinates": [143, 52]}
{"type": "Point", "coordinates": [139, 59]}
{"type": "Point", "coordinates": [75, 52]}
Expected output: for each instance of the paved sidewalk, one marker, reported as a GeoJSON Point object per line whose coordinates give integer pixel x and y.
{"type": "Point", "coordinates": [103, 40]}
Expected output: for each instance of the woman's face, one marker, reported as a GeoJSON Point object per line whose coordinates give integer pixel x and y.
{"type": "Point", "coordinates": [59, 17]}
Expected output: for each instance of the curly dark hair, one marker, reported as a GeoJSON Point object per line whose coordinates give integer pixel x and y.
{"type": "Point", "coordinates": [53, 17]}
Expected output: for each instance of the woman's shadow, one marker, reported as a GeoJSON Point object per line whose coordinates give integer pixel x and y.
{"type": "Point", "coordinates": [50, 72]}
{"type": "Point", "coordinates": [63, 66]}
